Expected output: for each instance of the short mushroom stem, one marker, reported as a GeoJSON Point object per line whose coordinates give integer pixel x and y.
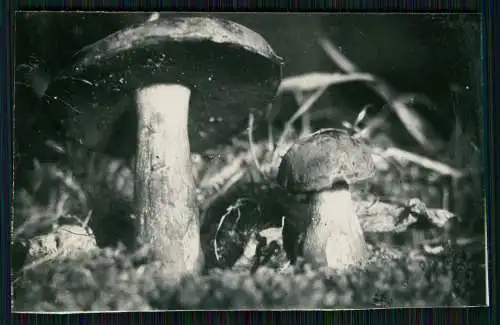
{"type": "Point", "coordinates": [335, 237]}
{"type": "Point", "coordinates": [165, 191]}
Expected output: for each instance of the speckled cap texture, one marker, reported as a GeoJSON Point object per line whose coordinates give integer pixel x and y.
{"type": "Point", "coordinates": [314, 163]}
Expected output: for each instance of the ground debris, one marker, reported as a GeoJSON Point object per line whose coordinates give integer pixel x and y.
{"type": "Point", "coordinates": [381, 216]}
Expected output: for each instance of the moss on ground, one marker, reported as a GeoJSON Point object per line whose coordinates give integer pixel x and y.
{"type": "Point", "coordinates": [112, 279]}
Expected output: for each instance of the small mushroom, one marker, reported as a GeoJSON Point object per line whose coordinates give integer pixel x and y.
{"type": "Point", "coordinates": [323, 226]}
{"type": "Point", "coordinates": [176, 74]}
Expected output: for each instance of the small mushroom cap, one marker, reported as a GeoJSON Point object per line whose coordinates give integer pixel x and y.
{"type": "Point", "coordinates": [316, 162]}
{"type": "Point", "coordinates": [229, 69]}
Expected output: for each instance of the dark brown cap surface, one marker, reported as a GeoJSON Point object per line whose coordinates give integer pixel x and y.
{"type": "Point", "coordinates": [229, 68]}
{"type": "Point", "coordinates": [316, 162]}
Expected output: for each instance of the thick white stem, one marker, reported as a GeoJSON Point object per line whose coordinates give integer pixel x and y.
{"type": "Point", "coordinates": [335, 237]}
{"type": "Point", "coordinates": [165, 190]}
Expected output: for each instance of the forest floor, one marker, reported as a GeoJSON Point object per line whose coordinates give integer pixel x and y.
{"type": "Point", "coordinates": [421, 268]}
{"type": "Point", "coordinates": [437, 264]}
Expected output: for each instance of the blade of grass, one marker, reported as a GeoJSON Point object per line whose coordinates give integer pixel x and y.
{"type": "Point", "coordinates": [306, 117]}
{"type": "Point", "coordinates": [302, 109]}
{"type": "Point", "coordinates": [425, 162]}
{"type": "Point", "coordinates": [412, 122]}
{"type": "Point", "coordinates": [313, 81]}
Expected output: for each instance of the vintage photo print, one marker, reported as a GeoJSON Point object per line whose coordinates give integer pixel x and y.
{"type": "Point", "coordinates": [172, 161]}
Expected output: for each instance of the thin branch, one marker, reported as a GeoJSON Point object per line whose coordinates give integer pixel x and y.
{"type": "Point", "coordinates": [252, 143]}
{"type": "Point", "coordinates": [228, 171]}
{"type": "Point", "coordinates": [343, 63]}
{"type": "Point", "coordinates": [42, 260]}
{"type": "Point", "coordinates": [425, 162]}
{"type": "Point", "coordinates": [289, 124]}
{"type": "Point", "coordinates": [385, 91]}
{"type": "Point", "coordinates": [227, 186]}
{"type": "Point", "coordinates": [219, 226]}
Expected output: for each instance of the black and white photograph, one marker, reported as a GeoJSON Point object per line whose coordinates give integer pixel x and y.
{"type": "Point", "coordinates": [248, 161]}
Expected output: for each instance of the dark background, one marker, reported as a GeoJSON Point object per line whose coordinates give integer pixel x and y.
{"type": "Point", "coordinates": [438, 55]}
{"type": "Point", "coordinates": [418, 53]}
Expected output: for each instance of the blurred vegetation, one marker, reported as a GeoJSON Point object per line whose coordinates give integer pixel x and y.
{"type": "Point", "coordinates": [112, 280]}
{"type": "Point", "coordinates": [433, 63]}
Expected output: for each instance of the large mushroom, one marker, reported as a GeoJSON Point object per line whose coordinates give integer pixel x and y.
{"type": "Point", "coordinates": [322, 225]}
{"type": "Point", "coordinates": [153, 84]}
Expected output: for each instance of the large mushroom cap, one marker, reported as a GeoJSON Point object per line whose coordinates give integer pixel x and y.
{"type": "Point", "coordinates": [316, 162]}
{"type": "Point", "coordinates": [229, 68]}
